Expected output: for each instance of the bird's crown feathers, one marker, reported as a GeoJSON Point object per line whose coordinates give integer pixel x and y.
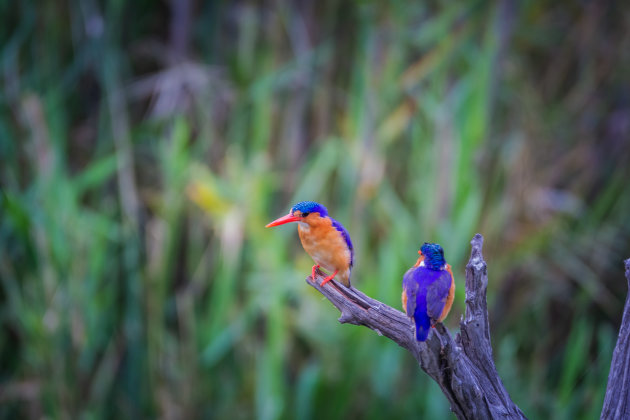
{"type": "Point", "coordinates": [310, 207]}
{"type": "Point", "coordinates": [433, 256]}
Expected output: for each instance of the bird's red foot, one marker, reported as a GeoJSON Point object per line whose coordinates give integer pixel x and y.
{"type": "Point", "coordinates": [329, 278]}
{"type": "Point", "coordinates": [313, 270]}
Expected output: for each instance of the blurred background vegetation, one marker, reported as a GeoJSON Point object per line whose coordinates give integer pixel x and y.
{"type": "Point", "coordinates": [144, 145]}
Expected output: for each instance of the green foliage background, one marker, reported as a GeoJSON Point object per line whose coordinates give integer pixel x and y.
{"type": "Point", "coordinates": [144, 145]}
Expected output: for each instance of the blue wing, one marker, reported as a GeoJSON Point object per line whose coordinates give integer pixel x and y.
{"type": "Point", "coordinates": [437, 292]}
{"type": "Point", "coordinates": [410, 287]}
{"type": "Point", "coordinates": [346, 237]}
{"type": "Point", "coordinates": [415, 286]}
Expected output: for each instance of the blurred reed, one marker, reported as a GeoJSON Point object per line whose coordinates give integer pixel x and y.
{"type": "Point", "coordinates": [143, 148]}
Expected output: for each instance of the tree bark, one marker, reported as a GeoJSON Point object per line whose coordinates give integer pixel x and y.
{"type": "Point", "coordinates": [463, 368]}
{"type": "Point", "coordinates": [617, 399]}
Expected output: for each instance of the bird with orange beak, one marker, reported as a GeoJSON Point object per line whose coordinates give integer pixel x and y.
{"type": "Point", "coordinates": [323, 238]}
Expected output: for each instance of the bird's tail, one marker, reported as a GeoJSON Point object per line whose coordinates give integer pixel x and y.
{"type": "Point", "coordinates": [423, 323]}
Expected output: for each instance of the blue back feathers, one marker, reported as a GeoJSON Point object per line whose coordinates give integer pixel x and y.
{"type": "Point", "coordinates": [433, 256]}
{"type": "Point", "coordinates": [310, 207]}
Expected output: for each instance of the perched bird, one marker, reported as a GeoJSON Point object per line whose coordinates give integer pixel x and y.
{"type": "Point", "coordinates": [428, 289]}
{"type": "Point", "coordinates": [323, 238]}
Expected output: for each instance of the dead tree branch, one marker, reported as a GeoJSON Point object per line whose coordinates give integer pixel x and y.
{"type": "Point", "coordinates": [617, 399]}
{"type": "Point", "coordinates": [463, 368]}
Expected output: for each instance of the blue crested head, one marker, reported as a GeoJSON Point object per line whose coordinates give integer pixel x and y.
{"type": "Point", "coordinates": [433, 256]}
{"type": "Point", "coordinates": [306, 207]}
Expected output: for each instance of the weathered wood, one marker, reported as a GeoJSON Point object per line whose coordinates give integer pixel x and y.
{"type": "Point", "coordinates": [617, 399]}
{"type": "Point", "coordinates": [463, 368]}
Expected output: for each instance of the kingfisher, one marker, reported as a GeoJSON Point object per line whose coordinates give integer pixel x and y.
{"type": "Point", "coordinates": [428, 289]}
{"type": "Point", "coordinates": [323, 238]}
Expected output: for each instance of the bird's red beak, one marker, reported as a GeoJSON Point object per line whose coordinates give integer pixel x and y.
{"type": "Point", "coordinates": [284, 219]}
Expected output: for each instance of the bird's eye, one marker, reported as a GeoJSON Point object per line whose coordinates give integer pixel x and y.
{"type": "Point", "coordinates": [305, 214]}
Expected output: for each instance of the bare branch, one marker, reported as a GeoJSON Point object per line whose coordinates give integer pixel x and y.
{"type": "Point", "coordinates": [617, 399]}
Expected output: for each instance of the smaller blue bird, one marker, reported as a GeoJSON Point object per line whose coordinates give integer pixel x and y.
{"type": "Point", "coordinates": [323, 238]}
{"type": "Point", "coordinates": [428, 289]}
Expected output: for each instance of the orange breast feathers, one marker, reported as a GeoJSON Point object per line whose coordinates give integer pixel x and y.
{"type": "Point", "coordinates": [326, 246]}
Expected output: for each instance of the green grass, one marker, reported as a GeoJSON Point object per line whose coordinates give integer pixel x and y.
{"type": "Point", "coordinates": [137, 278]}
